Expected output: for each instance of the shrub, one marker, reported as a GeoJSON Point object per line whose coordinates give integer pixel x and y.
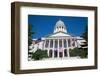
{"type": "Point", "coordinates": [39, 54]}
{"type": "Point", "coordinates": [84, 53]}
{"type": "Point", "coordinates": [78, 52]}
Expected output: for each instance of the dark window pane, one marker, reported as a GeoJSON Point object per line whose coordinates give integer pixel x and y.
{"type": "Point", "coordinates": [65, 44]}
{"type": "Point", "coordinates": [51, 43]}
{"type": "Point", "coordinates": [50, 53]}
{"type": "Point", "coordinates": [69, 42]}
{"type": "Point", "coordinates": [55, 53]}
{"type": "Point", "coordinates": [56, 43]}
{"type": "Point", "coordinates": [60, 43]}
{"type": "Point", "coordinates": [65, 52]}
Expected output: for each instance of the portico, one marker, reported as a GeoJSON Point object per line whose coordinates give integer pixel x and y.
{"type": "Point", "coordinates": [58, 47]}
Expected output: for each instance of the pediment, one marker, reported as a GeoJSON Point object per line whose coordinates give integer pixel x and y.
{"type": "Point", "coordinates": [59, 34]}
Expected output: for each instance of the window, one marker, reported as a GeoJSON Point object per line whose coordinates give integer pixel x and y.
{"type": "Point", "coordinates": [47, 43]}
{"type": "Point", "coordinates": [55, 53]}
{"type": "Point", "coordinates": [50, 53]}
{"type": "Point", "coordinates": [51, 44]}
{"type": "Point", "coordinates": [69, 43]}
{"type": "Point", "coordinates": [65, 43]}
{"type": "Point", "coordinates": [60, 43]}
{"type": "Point", "coordinates": [65, 52]}
{"type": "Point", "coordinates": [56, 43]}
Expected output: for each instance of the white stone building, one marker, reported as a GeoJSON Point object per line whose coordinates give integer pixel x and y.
{"type": "Point", "coordinates": [58, 43]}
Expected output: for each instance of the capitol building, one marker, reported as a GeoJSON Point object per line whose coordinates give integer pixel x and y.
{"type": "Point", "coordinates": [58, 43]}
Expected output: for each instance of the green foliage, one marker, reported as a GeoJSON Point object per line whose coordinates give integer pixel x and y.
{"type": "Point", "coordinates": [84, 53]}
{"type": "Point", "coordinates": [78, 52]}
{"type": "Point", "coordinates": [40, 54]}
{"type": "Point", "coordinates": [30, 34]}
{"type": "Point", "coordinates": [85, 33]}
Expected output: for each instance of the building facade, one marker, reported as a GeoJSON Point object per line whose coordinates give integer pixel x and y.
{"type": "Point", "coordinates": [58, 43]}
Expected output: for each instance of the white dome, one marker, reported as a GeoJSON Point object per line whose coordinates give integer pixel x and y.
{"type": "Point", "coordinates": [60, 26]}
{"type": "Point", "coordinates": [60, 23]}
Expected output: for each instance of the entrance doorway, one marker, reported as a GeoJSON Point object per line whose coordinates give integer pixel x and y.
{"type": "Point", "coordinates": [65, 52]}
{"type": "Point", "coordinates": [55, 53]}
{"type": "Point", "coordinates": [60, 54]}
{"type": "Point", "coordinates": [50, 53]}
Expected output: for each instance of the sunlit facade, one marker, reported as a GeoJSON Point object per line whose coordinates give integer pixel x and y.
{"type": "Point", "coordinates": [58, 43]}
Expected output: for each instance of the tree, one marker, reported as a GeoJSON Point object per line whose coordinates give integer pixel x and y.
{"type": "Point", "coordinates": [30, 34]}
{"type": "Point", "coordinates": [78, 52]}
{"type": "Point", "coordinates": [85, 34]}
{"type": "Point", "coordinates": [84, 47]}
{"type": "Point", "coordinates": [74, 52]}
{"type": "Point", "coordinates": [39, 54]}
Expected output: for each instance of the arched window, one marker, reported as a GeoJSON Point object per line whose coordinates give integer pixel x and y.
{"type": "Point", "coordinates": [60, 54]}
{"type": "Point", "coordinates": [55, 53]}
{"type": "Point", "coordinates": [59, 26]}
{"type": "Point", "coordinates": [65, 52]}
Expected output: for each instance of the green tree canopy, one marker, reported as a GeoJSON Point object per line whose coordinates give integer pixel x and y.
{"type": "Point", "coordinates": [39, 54]}
{"type": "Point", "coordinates": [78, 52]}
{"type": "Point", "coordinates": [85, 33]}
{"type": "Point", "coordinates": [30, 34]}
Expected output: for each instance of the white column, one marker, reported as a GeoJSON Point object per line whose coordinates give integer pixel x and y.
{"type": "Point", "coordinates": [53, 47]}
{"type": "Point", "coordinates": [49, 44]}
{"type": "Point", "coordinates": [48, 47]}
{"type": "Point", "coordinates": [63, 47]}
{"type": "Point", "coordinates": [44, 44]}
{"type": "Point", "coordinates": [58, 49]}
{"type": "Point", "coordinates": [71, 42]}
{"type": "Point", "coordinates": [67, 49]}
{"type": "Point", "coordinates": [76, 44]}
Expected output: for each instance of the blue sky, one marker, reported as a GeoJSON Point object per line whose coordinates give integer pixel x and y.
{"type": "Point", "coordinates": [44, 25]}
